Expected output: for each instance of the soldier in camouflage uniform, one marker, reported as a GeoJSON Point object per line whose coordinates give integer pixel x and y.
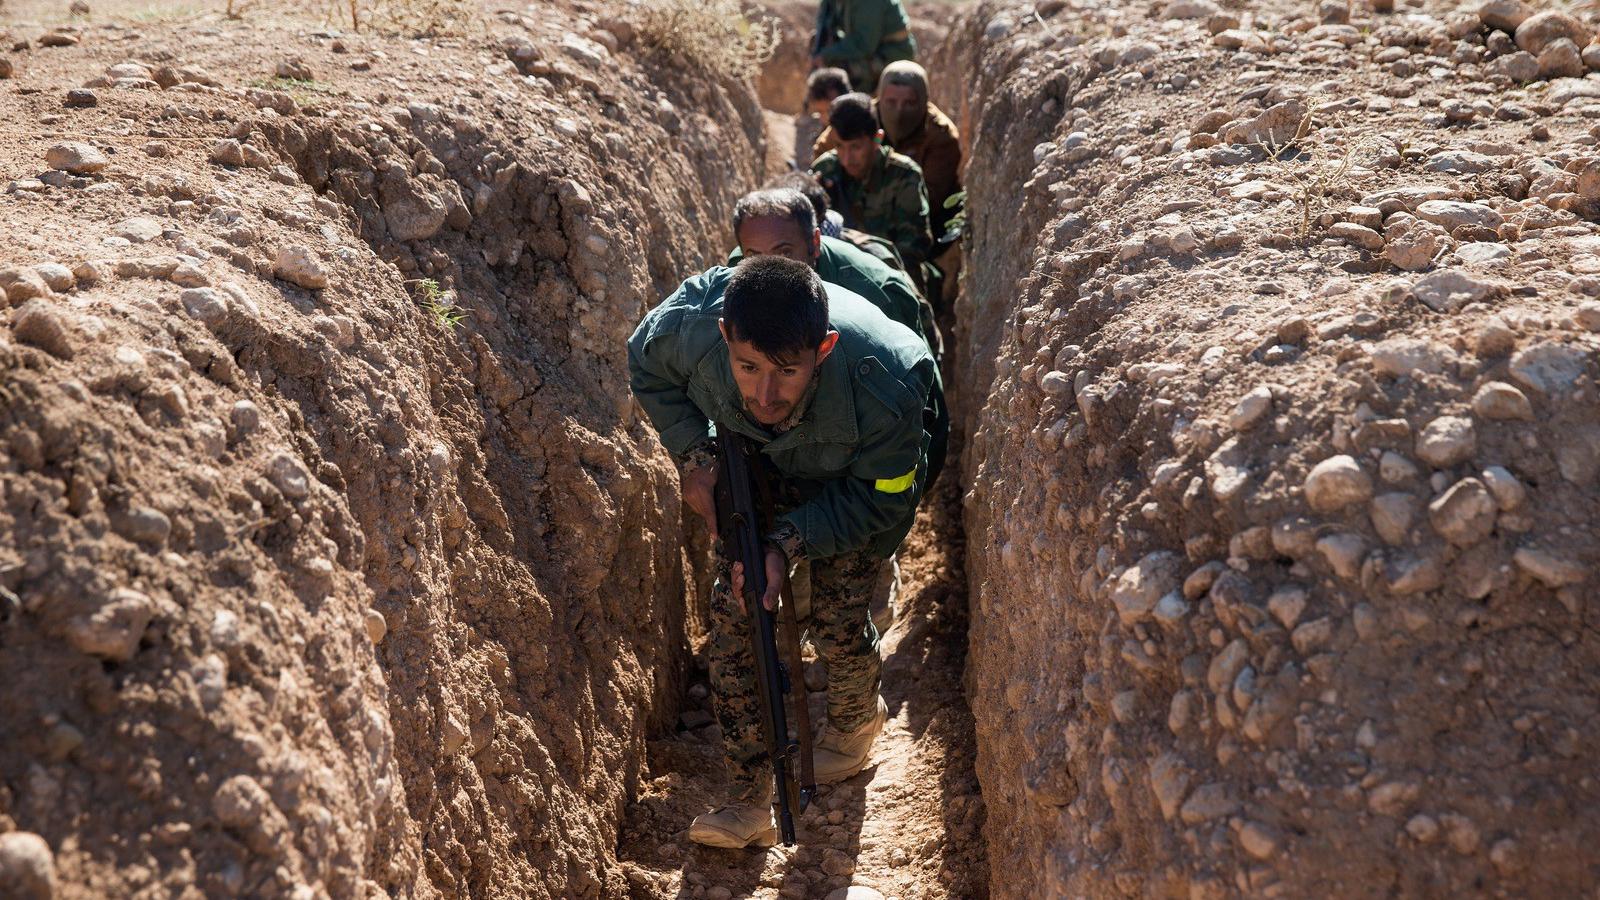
{"type": "Point", "coordinates": [834, 392]}
{"type": "Point", "coordinates": [874, 188]}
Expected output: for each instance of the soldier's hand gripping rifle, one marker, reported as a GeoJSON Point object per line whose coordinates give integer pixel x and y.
{"type": "Point", "coordinates": [744, 514]}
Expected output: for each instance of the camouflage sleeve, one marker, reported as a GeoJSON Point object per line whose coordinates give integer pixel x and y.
{"type": "Point", "coordinates": [786, 537]}
{"type": "Point", "coordinates": [910, 229]}
{"type": "Point", "coordinates": [701, 456]}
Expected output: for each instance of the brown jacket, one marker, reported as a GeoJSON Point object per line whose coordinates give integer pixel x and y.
{"type": "Point", "coordinates": [936, 147]}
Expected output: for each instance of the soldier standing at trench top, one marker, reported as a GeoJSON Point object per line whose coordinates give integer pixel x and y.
{"type": "Point", "coordinates": [834, 392]}
{"type": "Point", "coordinates": [861, 37]}
{"type": "Point", "coordinates": [876, 190]}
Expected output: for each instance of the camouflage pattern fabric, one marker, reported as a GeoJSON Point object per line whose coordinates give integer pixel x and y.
{"type": "Point", "coordinates": [891, 202]}
{"type": "Point", "coordinates": [840, 626]}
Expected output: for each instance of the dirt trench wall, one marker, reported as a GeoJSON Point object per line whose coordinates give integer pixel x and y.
{"type": "Point", "coordinates": [309, 592]}
{"type": "Point", "coordinates": [1282, 538]}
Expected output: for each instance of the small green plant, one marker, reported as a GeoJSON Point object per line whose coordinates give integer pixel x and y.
{"type": "Point", "coordinates": [957, 226]}
{"type": "Point", "coordinates": [712, 34]}
{"type": "Point", "coordinates": [439, 302]}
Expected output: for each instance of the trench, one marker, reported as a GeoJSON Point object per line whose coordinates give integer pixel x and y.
{"type": "Point", "coordinates": [500, 696]}
{"type": "Point", "coordinates": [910, 825]}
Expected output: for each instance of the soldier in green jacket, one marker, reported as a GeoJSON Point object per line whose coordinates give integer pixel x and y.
{"type": "Point", "coordinates": [781, 222]}
{"type": "Point", "coordinates": [861, 37]}
{"type": "Point", "coordinates": [874, 188]}
{"type": "Point", "coordinates": [834, 391]}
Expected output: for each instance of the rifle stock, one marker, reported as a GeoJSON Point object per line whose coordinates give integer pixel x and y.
{"type": "Point", "coordinates": [744, 512]}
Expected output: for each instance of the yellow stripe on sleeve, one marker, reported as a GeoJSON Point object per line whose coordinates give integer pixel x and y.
{"type": "Point", "coordinates": [896, 485]}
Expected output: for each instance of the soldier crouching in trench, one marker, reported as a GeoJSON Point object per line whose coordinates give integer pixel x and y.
{"type": "Point", "coordinates": [833, 391]}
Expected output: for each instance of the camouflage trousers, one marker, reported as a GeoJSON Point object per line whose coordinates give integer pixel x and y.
{"type": "Point", "coordinates": [840, 626]}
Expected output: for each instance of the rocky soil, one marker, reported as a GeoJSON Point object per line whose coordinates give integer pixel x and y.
{"type": "Point", "coordinates": [336, 560]}
{"type": "Point", "coordinates": [1283, 499]}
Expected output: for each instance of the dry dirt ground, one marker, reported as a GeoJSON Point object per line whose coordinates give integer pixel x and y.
{"type": "Point", "coordinates": [1282, 532]}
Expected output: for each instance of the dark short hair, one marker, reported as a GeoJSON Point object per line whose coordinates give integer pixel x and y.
{"type": "Point", "coordinates": [785, 203]}
{"type": "Point", "coordinates": [777, 305]}
{"type": "Point", "coordinates": [806, 183]}
{"type": "Point", "coordinates": [851, 117]}
{"type": "Point", "coordinates": [825, 84]}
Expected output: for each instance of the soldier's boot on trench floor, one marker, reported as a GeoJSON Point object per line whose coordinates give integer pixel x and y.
{"type": "Point", "coordinates": [839, 755]}
{"type": "Point", "coordinates": [735, 826]}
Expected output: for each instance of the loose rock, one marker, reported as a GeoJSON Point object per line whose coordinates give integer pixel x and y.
{"type": "Point", "coordinates": [299, 265]}
{"type": "Point", "coordinates": [1450, 289]}
{"type": "Point", "coordinates": [76, 158]}
{"type": "Point", "coordinates": [1550, 568]}
{"type": "Point", "coordinates": [1464, 515]}
{"type": "Point", "coordinates": [1539, 30]}
{"type": "Point", "coordinates": [1505, 15]}
{"type": "Point", "coordinates": [227, 152]}
{"type": "Point", "coordinates": [1392, 514]}
{"type": "Point", "coordinates": [1337, 482]}
{"type": "Point", "coordinates": [40, 324]}
{"type": "Point", "coordinates": [114, 630]}
{"type": "Point", "coordinates": [27, 867]}
{"type": "Point", "coordinates": [1446, 441]}
{"type": "Point", "coordinates": [1499, 400]}
{"type": "Point", "coordinates": [1251, 409]}
{"type": "Point", "coordinates": [205, 305]}
{"type": "Point", "coordinates": [20, 285]}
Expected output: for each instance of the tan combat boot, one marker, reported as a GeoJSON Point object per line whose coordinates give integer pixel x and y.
{"type": "Point", "coordinates": [735, 826]}
{"type": "Point", "coordinates": [838, 754]}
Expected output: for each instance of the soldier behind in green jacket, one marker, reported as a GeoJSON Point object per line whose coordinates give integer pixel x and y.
{"type": "Point", "coordinates": [874, 188]}
{"type": "Point", "coordinates": [861, 37]}
{"type": "Point", "coordinates": [781, 222]}
{"type": "Point", "coordinates": [834, 393]}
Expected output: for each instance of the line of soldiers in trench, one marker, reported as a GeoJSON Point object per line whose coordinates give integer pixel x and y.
{"type": "Point", "coordinates": [818, 343]}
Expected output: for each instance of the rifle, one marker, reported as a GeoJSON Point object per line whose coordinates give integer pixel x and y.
{"type": "Point", "coordinates": [744, 514]}
{"type": "Point", "coordinates": [827, 25]}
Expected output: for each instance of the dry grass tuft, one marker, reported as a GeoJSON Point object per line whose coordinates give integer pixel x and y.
{"type": "Point", "coordinates": [1322, 159]}
{"type": "Point", "coordinates": [713, 35]}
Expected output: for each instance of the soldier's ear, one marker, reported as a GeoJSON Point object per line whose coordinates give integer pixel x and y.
{"type": "Point", "coordinates": [829, 341]}
{"type": "Point", "coordinates": [816, 242]}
